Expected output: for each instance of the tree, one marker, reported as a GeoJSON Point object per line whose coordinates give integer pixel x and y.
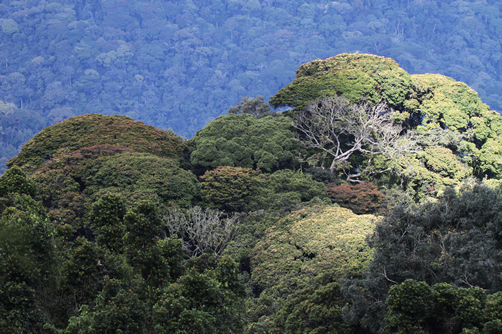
{"type": "Point", "coordinates": [71, 183]}
{"type": "Point", "coordinates": [29, 260]}
{"type": "Point", "coordinates": [117, 308]}
{"type": "Point", "coordinates": [228, 188]}
{"type": "Point", "coordinates": [93, 129]}
{"type": "Point", "coordinates": [255, 106]}
{"type": "Point", "coordinates": [416, 307]}
{"type": "Point", "coordinates": [358, 77]}
{"type": "Point", "coordinates": [244, 141]}
{"type": "Point", "coordinates": [298, 266]}
{"type": "Point", "coordinates": [16, 181]}
{"type": "Point", "coordinates": [107, 216]}
{"type": "Point", "coordinates": [204, 230]}
{"type": "Point", "coordinates": [340, 130]}
{"type": "Point", "coordinates": [453, 240]}
{"type": "Point", "coordinates": [361, 198]}
{"type": "Point", "coordinates": [207, 298]}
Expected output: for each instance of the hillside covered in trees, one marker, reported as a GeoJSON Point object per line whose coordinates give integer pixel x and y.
{"type": "Point", "coordinates": [372, 205]}
{"type": "Point", "coordinates": [179, 64]}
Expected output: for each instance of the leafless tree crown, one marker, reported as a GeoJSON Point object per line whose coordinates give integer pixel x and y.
{"type": "Point", "coordinates": [201, 231]}
{"type": "Point", "coordinates": [339, 129]}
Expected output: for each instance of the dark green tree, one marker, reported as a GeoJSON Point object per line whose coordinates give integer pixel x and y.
{"type": "Point", "coordinates": [229, 188]}
{"type": "Point", "coordinates": [454, 240]}
{"type": "Point", "coordinates": [107, 216]}
{"type": "Point", "coordinates": [245, 141]}
{"type": "Point", "coordinates": [16, 181]}
{"type": "Point", "coordinates": [28, 261]}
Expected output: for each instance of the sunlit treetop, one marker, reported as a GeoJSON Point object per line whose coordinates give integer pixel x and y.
{"type": "Point", "coordinates": [443, 112]}
{"type": "Point", "coordinates": [311, 240]}
{"type": "Point", "coordinates": [356, 76]}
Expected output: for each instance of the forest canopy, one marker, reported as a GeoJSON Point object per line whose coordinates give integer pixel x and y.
{"type": "Point", "coordinates": [371, 205]}
{"type": "Point", "coordinates": [180, 64]}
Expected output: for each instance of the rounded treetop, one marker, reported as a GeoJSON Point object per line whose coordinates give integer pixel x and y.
{"type": "Point", "coordinates": [94, 129]}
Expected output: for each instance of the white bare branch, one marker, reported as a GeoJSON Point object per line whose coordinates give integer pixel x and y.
{"type": "Point", "coordinates": [340, 129]}
{"type": "Point", "coordinates": [201, 231]}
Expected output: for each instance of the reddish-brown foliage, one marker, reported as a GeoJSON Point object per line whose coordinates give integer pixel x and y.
{"type": "Point", "coordinates": [361, 198]}
{"type": "Point", "coordinates": [93, 129]}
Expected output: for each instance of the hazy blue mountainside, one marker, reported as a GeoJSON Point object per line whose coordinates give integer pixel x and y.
{"type": "Point", "coordinates": [179, 64]}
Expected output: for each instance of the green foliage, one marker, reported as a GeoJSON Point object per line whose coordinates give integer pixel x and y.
{"type": "Point", "coordinates": [323, 175]}
{"type": "Point", "coordinates": [410, 306]}
{"type": "Point", "coordinates": [416, 307]}
{"type": "Point", "coordinates": [298, 266]}
{"type": "Point", "coordinates": [273, 197]}
{"type": "Point", "coordinates": [245, 141]}
{"type": "Point", "coordinates": [203, 300]}
{"type": "Point", "coordinates": [82, 273]}
{"type": "Point", "coordinates": [228, 188]}
{"type": "Point", "coordinates": [149, 287]}
{"type": "Point", "coordinates": [16, 181]}
{"type": "Point", "coordinates": [137, 173]}
{"type": "Point", "coordinates": [314, 309]}
{"type": "Point", "coordinates": [287, 181]}
{"type": "Point", "coordinates": [356, 76]}
{"type": "Point", "coordinates": [430, 172]}
{"type": "Point", "coordinates": [143, 227]}
{"type": "Point", "coordinates": [69, 184]}
{"type": "Point", "coordinates": [454, 239]}
{"type": "Point", "coordinates": [448, 104]}
{"type": "Point", "coordinates": [361, 198]}
{"type": "Point", "coordinates": [27, 259]}
{"type": "Point", "coordinates": [311, 239]}
{"type": "Point", "coordinates": [93, 129]}
{"type": "Point", "coordinates": [242, 189]}
{"type": "Point", "coordinates": [119, 282]}
{"type": "Point", "coordinates": [62, 183]}
{"type": "Point", "coordinates": [117, 309]}
{"type": "Point", "coordinates": [255, 106]}
{"type": "Point", "coordinates": [107, 216]}
{"type": "Point", "coordinates": [448, 133]}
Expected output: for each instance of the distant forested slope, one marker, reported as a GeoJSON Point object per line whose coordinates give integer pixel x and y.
{"type": "Point", "coordinates": [179, 64]}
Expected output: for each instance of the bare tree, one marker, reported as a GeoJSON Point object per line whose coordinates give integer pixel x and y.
{"type": "Point", "coordinates": [201, 231]}
{"type": "Point", "coordinates": [340, 129]}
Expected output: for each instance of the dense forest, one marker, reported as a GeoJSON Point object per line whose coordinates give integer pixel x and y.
{"type": "Point", "coordinates": [179, 64]}
{"type": "Point", "coordinates": [371, 205]}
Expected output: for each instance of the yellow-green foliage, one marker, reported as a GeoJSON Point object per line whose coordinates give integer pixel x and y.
{"type": "Point", "coordinates": [228, 188]}
{"type": "Point", "coordinates": [356, 76]}
{"type": "Point", "coordinates": [313, 240]}
{"type": "Point", "coordinates": [93, 129]}
{"type": "Point", "coordinates": [490, 157]}
{"type": "Point", "coordinates": [442, 161]}
{"type": "Point", "coordinates": [430, 172]}
{"type": "Point", "coordinates": [450, 103]}
{"type": "Point", "coordinates": [457, 135]}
